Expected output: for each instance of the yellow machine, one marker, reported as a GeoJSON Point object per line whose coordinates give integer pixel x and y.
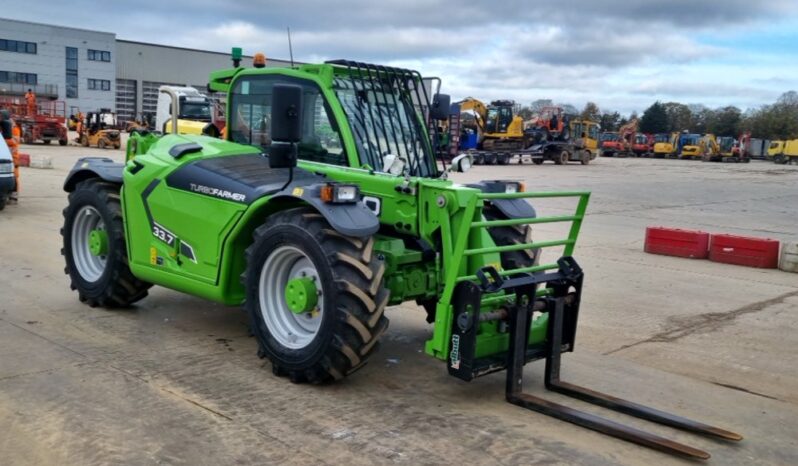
{"type": "Point", "coordinates": [74, 117]}
{"type": "Point", "coordinates": [99, 130]}
{"type": "Point", "coordinates": [775, 148]}
{"type": "Point", "coordinates": [586, 136]}
{"type": "Point", "coordinates": [691, 146]}
{"type": "Point", "coordinates": [139, 124]}
{"type": "Point", "coordinates": [784, 152]}
{"type": "Point", "coordinates": [495, 124]}
{"type": "Point", "coordinates": [187, 126]}
{"type": "Point", "coordinates": [710, 150]}
{"type": "Point", "coordinates": [726, 144]}
{"type": "Point", "coordinates": [666, 145]}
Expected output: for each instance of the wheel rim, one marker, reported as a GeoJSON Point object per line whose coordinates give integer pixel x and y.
{"type": "Point", "coordinates": [292, 330]}
{"type": "Point", "coordinates": [89, 266]}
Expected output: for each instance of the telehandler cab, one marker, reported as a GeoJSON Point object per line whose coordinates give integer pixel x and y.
{"type": "Point", "coordinates": [325, 205]}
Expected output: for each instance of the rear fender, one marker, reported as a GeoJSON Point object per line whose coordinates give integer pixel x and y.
{"type": "Point", "coordinates": [94, 167]}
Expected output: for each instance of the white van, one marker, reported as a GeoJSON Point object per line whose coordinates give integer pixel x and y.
{"type": "Point", "coordinates": [6, 173]}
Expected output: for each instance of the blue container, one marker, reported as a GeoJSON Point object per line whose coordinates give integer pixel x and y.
{"type": "Point", "coordinates": [468, 141]}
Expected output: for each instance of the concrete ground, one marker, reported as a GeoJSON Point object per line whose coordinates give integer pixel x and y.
{"type": "Point", "coordinates": [175, 380]}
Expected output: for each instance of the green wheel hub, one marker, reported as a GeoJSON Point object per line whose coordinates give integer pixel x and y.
{"type": "Point", "coordinates": [98, 242]}
{"type": "Point", "coordinates": [301, 295]}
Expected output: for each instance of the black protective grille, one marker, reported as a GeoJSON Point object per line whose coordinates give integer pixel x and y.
{"type": "Point", "coordinates": [387, 109]}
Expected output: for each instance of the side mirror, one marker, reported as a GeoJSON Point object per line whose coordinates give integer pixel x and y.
{"type": "Point", "coordinates": [286, 124]}
{"type": "Point", "coordinates": [462, 163]}
{"type": "Point", "coordinates": [6, 129]}
{"type": "Point", "coordinates": [282, 155]}
{"type": "Point", "coordinates": [439, 110]}
{"type": "Point", "coordinates": [210, 130]}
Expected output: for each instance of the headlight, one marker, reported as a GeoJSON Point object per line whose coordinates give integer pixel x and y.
{"type": "Point", "coordinates": [340, 193]}
{"type": "Point", "coordinates": [6, 167]}
{"type": "Point", "coordinates": [465, 164]}
{"type": "Point", "coordinates": [514, 187]}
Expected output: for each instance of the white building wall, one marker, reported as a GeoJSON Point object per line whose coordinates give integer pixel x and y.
{"type": "Point", "coordinates": [49, 63]}
{"type": "Point", "coordinates": [145, 66]}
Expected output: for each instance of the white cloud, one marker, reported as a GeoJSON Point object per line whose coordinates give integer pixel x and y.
{"type": "Point", "coordinates": [622, 54]}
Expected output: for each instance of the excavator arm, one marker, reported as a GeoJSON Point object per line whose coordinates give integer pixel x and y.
{"type": "Point", "coordinates": [474, 105]}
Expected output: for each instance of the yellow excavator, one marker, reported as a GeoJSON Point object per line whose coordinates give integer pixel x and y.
{"type": "Point", "coordinates": [691, 146]}
{"type": "Point", "coordinates": [497, 127]}
{"type": "Point", "coordinates": [709, 149]}
{"type": "Point", "coordinates": [666, 145]}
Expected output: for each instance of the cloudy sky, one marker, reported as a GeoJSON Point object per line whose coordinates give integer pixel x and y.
{"type": "Point", "coordinates": [622, 54]}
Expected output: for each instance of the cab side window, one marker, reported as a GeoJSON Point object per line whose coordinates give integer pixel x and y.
{"type": "Point", "coordinates": [250, 115]}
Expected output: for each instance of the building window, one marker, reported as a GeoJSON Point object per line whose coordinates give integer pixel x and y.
{"type": "Point", "coordinates": [18, 46]}
{"type": "Point", "coordinates": [18, 78]}
{"type": "Point", "coordinates": [98, 55]}
{"type": "Point", "coordinates": [72, 73]}
{"type": "Point", "coordinates": [99, 85]}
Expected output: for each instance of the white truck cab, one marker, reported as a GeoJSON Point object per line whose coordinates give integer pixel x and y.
{"type": "Point", "coordinates": [193, 107]}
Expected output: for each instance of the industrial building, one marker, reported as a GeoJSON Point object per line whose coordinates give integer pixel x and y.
{"type": "Point", "coordinates": [89, 70]}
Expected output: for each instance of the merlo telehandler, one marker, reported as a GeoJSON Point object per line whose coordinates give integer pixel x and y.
{"type": "Point", "coordinates": [323, 205]}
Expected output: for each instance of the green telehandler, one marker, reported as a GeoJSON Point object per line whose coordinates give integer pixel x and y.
{"type": "Point", "coordinates": [323, 205]}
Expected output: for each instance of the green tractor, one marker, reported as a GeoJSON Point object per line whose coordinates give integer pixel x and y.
{"type": "Point", "coordinates": [323, 205]}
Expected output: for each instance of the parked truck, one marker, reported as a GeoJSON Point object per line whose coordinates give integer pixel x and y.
{"type": "Point", "coordinates": [194, 110]}
{"type": "Point", "coordinates": [784, 152]}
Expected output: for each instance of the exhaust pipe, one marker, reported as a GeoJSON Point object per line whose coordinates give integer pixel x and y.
{"type": "Point", "coordinates": [175, 109]}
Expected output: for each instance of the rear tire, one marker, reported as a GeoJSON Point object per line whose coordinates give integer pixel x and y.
{"type": "Point", "coordinates": [561, 158]}
{"type": "Point", "coordinates": [352, 302]}
{"type": "Point", "coordinates": [107, 280]}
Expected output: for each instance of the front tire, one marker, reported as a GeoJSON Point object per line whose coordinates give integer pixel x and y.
{"type": "Point", "coordinates": [510, 235]}
{"type": "Point", "coordinates": [340, 333]}
{"type": "Point", "coordinates": [104, 279]}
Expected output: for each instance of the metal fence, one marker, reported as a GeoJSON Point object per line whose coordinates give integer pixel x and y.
{"type": "Point", "coordinates": [47, 91]}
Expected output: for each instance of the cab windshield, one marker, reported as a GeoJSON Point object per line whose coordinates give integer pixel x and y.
{"type": "Point", "coordinates": [192, 110]}
{"type": "Point", "coordinates": [385, 108]}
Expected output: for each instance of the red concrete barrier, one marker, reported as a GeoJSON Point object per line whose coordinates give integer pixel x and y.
{"type": "Point", "coordinates": [24, 160]}
{"type": "Point", "coordinates": [744, 250]}
{"type": "Point", "coordinates": [692, 244]}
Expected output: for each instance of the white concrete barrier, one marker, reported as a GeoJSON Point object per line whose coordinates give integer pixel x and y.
{"type": "Point", "coordinates": [788, 261]}
{"type": "Point", "coordinates": [41, 161]}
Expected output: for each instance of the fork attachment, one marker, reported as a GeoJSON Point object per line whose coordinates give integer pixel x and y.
{"type": "Point", "coordinates": [562, 307]}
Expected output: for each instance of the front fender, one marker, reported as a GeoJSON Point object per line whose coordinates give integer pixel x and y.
{"type": "Point", "coordinates": [510, 208]}
{"type": "Point", "coordinates": [354, 219]}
